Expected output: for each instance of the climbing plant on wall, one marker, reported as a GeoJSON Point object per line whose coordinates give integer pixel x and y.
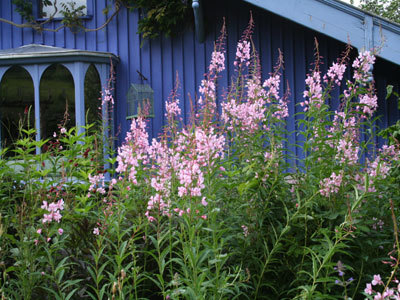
{"type": "Point", "coordinates": [165, 16]}
{"type": "Point", "coordinates": [157, 16]}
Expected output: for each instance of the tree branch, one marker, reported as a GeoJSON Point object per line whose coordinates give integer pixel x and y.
{"type": "Point", "coordinates": [39, 26]}
{"type": "Point", "coordinates": [117, 8]}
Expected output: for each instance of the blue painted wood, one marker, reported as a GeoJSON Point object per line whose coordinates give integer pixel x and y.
{"type": "Point", "coordinates": [340, 21]}
{"type": "Point", "coordinates": [159, 59]}
{"type": "Point", "coordinates": [189, 66]}
{"type": "Point", "coordinates": [7, 29]}
{"type": "Point", "coordinates": [289, 75]}
{"type": "Point", "coordinates": [156, 80]}
{"type": "Point", "coordinates": [36, 73]}
{"type": "Point", "coordinates": [78, 73]}
{"type": "Point", "coordinates": [167, 84]}
{"type": "Point", "coordinates": [300, 69]}
{"type": "Point", "coordinates": [123, 67]}
{"type": "Point", "coordinates": [177, 66]}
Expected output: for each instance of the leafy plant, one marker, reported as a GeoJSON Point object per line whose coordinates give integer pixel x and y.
{"type": "Point", "coordinates": [386, 8]}
{"type": "Point", "coordinates": [166, 16]}
{"type": "Point", "coordinates": [211, 209]}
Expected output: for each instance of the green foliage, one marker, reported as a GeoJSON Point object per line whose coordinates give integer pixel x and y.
{"type": "Point", "coordinates": [392, 133]}
{"type": "Point", "coordinates": [167, 16]}
{"type": "Point", "coordinates": [71, 13]}
{"type": "Point", "coordinates": [389, 9]}
{"type": "Point", "coordinates": [71, 16]}
{"type": "Point", "coordinates": [158, 17]}
{"type": "Point", "coordinates": [24, 8]}
{"type": "Point", "coordinates": [257, 227]}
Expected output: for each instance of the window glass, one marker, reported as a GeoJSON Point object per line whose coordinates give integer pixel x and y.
{"type": "Point", "coordinates": [47, 11]}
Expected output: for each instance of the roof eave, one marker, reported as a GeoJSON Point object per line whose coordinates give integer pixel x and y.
{"type": "Point", "coordinates": [342, 22]}
{"type": "Point", "coordinates": [48, 54]}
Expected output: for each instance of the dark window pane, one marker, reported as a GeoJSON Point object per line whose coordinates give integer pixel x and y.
{"type": "Point", "coordinates": [92, 95]}
{"type": "Point", "coordinates": [16, 105]}
{"type": "Point", "coordinates": [57, 100]}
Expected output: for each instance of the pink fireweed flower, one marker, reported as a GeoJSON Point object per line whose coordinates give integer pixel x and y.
{"type": "Point", "coordinates": [254, 89]}
{"type": "Point", "coordinates": [207, 88]}
{"type": "Point", "coordinates": [313, 95]}
{"type": "Point", "coordinates": [347, 151]}
{"type": "Point", "coordinates": [335, 73]}
{"type": "Point", "coordinates": [149, 217]}
{"type": "Point", "coordinates": [63, 130]}
{"type": "Point", "coordinates": [282, 111]}
{"type": "Point", "coordinates": [378, 168]}
{"type": "Point", "coordinates": [242, 53]}
{"type": "Point", "coordinates": [377, 280]}
{"type": "Point", "coordinates": [388, 293]}
{"type": "Point", "coordinates": [209, 146]}
{"type": "Point", "coordinates": [107, 97]}
{"type": "Point", "coordinates": [134, 150]}
{"type": "Point", "coordinates": [272, 86]}
{"type": "Point", "coordinates": [53, 211]}
{"type": "Point", "coordinates": [96, 231]}
{"type": "Point", "coordinates": [44, 205]}
{"type": "Point", "coordinates": [331, 185]}
{"type": "Point", "coordinates": [207, 106]}
{"type": "Point", "coordinates": [97, 181]}
{"type": "Point", "coordinates": [247, 116]}
{"type": "Point", "coordinates": [217, 62]}
{"type": "Point", "coordinates": [172, 109]}
{"type": "Point", "coordinates": [368, 290]}
{"type": "Point", "coordinates": [204, 202]}
{"type": "Point", "coordinates": [363, 65]}
{"type": "Point", "coordinates": [60, 231]}
{"type": "Point", "coordinates": [268, 156]}
{"type": "Point", "coordinates": [245, 230]}
{"type": "Point", "coordinates": [193, 152]}
{"type": "Point", "coordinates": [370, 104]}
{"type": "Point", "coordinates": [39, 231]}
{"type": "Point", "coordinates": [378, 296]}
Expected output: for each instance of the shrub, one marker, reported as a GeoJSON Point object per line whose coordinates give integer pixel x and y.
{"type": "Point", "coordinates": [212, 209]}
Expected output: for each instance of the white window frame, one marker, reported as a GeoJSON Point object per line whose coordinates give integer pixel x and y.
{"type": "Point", "coordinates": [47, 11]}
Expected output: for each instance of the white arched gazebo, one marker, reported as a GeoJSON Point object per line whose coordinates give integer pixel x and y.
{"type": "Point", "coordinates": [35, 59]}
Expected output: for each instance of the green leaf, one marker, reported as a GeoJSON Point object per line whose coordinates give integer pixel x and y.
{"type": "Point", "coordinates": [389, 91]}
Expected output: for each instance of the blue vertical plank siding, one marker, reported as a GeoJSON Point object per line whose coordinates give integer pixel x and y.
{"type": "Point", "coordinates": [168, 77]}
{"type": "Point", "coordinates": [159, 60]}
{"type": "Point", "coordinates": [188, 70]}
{"type": "Point", "coordinates": [156, 80]}
{"type": "Point", "coordinates": [6, 28]}
{"type": "Point", "coordinates": [177, 67]}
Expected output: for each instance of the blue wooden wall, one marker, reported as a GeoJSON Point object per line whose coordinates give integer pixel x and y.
{"type": "Point", "coordinates": [160, 59]}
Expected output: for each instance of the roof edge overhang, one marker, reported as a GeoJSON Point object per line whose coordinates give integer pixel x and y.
{"type": "Point", "coordinates": [342, 22]}
{"type": "Point", "coordinates": [47, 54]}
